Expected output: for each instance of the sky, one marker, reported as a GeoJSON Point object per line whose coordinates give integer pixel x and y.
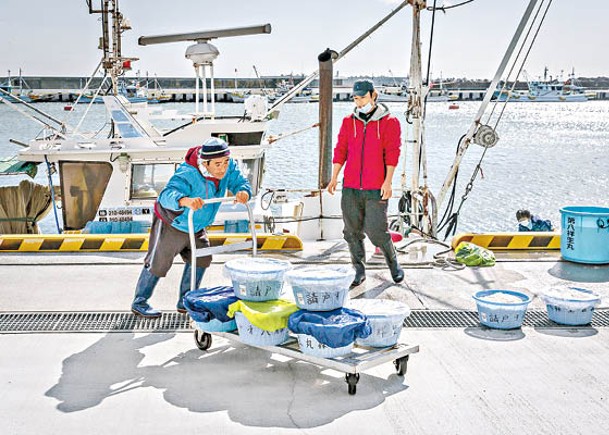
{"type": "Point", "coordinates": [60, 38]}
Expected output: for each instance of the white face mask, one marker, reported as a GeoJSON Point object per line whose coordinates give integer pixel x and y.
{"type": "Point", "coordinates": [525, 223]}
{"type": "Point", "coordinates": [365, 109]}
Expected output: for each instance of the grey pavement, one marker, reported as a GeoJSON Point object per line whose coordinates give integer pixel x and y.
{"type": "Point", "coordinates": [463, 380]}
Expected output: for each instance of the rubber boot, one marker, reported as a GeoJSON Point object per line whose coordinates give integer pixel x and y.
{"type": "Point", "coordinates": [185, 285]}
{"type": "Point", "coordinates": [145, 286]}
{"type": "Point", "coordinates": [391, 258]}
{"type": "Point", "coordinates": [358, 255]}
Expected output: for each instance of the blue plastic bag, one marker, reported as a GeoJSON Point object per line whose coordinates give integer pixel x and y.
{"type": "Point", "coordinates": [336, 328]}
{"type": "Point", "coordinates": [205, 304]}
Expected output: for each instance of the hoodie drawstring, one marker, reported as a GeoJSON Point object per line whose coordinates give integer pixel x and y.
{"type": "Point", "coordinates": [353, 119]}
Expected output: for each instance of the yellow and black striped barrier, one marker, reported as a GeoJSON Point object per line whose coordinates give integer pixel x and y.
{"type": "Point", "coordinates": [131, 242]}
{"type": "Point", "coordinates": [531, 241]}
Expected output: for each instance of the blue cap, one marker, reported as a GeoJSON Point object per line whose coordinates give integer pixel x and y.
{"type": "Point", "coordinates": [213, 148]}
{"type": "Point", "coordinates": [362, 87]}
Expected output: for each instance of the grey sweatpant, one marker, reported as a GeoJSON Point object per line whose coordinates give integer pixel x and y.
{"type": "Point", "coordinates": [166, 242]}
{"type": "Point", "coordinates": [364, 212]}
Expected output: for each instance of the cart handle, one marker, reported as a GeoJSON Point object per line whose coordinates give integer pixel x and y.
{"type": "Point", "coordinates": [191, 235]}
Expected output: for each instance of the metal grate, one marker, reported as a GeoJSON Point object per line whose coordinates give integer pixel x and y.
{"type": "Point", "coordinates": [51, 322]}
{"type": "Point", "coordinates": [464, 319]}
{"type": "Point", "coordinates": [90, 322]}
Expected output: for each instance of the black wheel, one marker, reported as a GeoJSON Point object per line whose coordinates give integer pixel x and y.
{"type": "Point", "coordinates": [202, 339]}
{"type": "Point", "coordinates": [401, 364]}
{"type": "Point", "coordinates": [352, 379]}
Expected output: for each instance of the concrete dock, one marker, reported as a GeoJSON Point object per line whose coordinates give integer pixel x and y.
{"type": "Point", "coordinates": [464, 380]}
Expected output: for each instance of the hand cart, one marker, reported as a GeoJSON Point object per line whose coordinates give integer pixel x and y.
{"type": "Point", "coordinates": [352, 364]}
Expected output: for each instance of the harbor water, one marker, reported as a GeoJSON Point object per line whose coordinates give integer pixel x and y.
{"type": "Point", "coordinates": [549, 155]}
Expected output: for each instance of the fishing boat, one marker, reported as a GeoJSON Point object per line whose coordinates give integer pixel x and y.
{"type": "Point", "coordinates": [546, 90]}
{"type": "Point", "coordinates": [18, 92]}
{"type": "Point", "coordinates": [117, 178]}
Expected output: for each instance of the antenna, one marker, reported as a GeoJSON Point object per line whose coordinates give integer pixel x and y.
{"type": "Point", "coordinates": [202, 53]}
{"type": "Point", "coordinates": [205, 35]}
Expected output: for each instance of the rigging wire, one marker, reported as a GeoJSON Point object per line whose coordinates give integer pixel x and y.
{"type": "Point", "coordinates": [445, 8]}
{"type": "Point", "coordinates": [450, 219]}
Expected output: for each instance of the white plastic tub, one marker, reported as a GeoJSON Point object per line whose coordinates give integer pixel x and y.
{"type": "Point", "coordinates": [386, 318]}
{"type": "Point", "coordinates": [570, 305]}
{"type": "Point", "coordinates": [257, 279]}
{"type": "Point", "coordinates": [250, 334]}
{"type": "Point", "coordinates": [310, 346]}
{"type": "Point", "coordinates": [320, 288]}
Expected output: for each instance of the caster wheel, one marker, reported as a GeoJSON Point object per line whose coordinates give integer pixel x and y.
{"type": "Point", "coordinates": [202, 339]}
{"type": "Point", "coordinates": [352, 379]}
{"type": "Point", "coordinates": [401, 364]}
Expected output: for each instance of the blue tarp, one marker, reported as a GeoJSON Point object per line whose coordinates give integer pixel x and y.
{"type": "Point", "coordinates": [336, 328]}
{"type": "Point", "coordinates": [205, 304]}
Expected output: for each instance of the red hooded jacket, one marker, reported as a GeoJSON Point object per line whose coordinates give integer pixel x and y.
{"type": "Point", "coordinates": [367, 148]}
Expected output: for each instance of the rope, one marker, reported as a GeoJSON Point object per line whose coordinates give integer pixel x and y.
{"type": "Point", "coordinates": [441, 259]}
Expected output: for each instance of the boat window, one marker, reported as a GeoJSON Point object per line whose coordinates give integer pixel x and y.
{"type": "Point", "coordinates": [147, 180]}
{"type": "Point", "coordinates": [253, 170]}
{"type": "Point", "coordinates": [82, 187]}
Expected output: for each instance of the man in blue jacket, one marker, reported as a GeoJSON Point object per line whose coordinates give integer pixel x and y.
{"type": "Point", "coordinates": [208, 172]}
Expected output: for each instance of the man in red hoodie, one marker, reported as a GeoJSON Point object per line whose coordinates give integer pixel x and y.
{"type": "Point", "coordinates": [369, 148]}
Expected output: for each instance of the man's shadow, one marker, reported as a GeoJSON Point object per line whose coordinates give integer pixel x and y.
{"type": "Point", "coordinates": [106, 368]}
{"type": "Point", "coordinates": [257, 388]}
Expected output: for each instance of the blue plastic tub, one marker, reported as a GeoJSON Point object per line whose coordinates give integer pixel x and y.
{"type": "Point", "coordinates": [570, 305]}
{"type": "Point", "coordinates": [257, 279]}
{"type": "Point", "coordinates": [320, 288]}
{"type": "Point", "coordinates": [214, 325]}
{"type": "Point", "coordinates": [310, 346]}
{"type": "Point", "coordinates": [250, 334]}
{"type": "Point", "coordinates": [585, 234]}
{"type": "Point", "coordinates": [501, 309]}
{"type": "Point", "coordinates": [386, 319]}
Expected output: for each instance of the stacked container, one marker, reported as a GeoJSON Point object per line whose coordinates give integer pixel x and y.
{"type": "Point", "coordinates": [260, 315]}
{"type": "Point", "coordinates": [324, 328]}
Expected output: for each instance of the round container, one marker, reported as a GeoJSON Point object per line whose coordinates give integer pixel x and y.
{"type": "Point", "coordinates": [214, 325]}
{"type": "Point", "coordinates": [257, 279]}
{"type": "Point", "coordinates": [585, 234]}
{"type": "Point", "coordinates": [570, 305]}
{"type": "Point", "coordinates": [386, 319]}
{"type": "Point", "coordinates": [310, 346]}
{"type": "Point", "coordinates": [250, 334]}
{"type": "Point", "coordinates": [320, 288]}
{"type": "Point", "coordinates": [501, 309]}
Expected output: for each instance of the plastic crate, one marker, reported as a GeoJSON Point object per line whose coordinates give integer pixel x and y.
{"type": "Point", "coordinates": [501, 315]}
{"type": "Point", "coordinates": [257, 279]}
{"type": "Point", "coordinates": [250, 334]}
{"type": "Point", "coordinates": [320, 288]}
{"type": "Point", "coordinates": [310, 346]}
{"type": "Point", "coordinates": [570, 305]}
{"type": "Point", "coordinates": [386, 319]}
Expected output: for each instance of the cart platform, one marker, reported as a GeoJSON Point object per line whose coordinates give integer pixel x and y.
{"type": "Point", "coordinates": [352, 364]}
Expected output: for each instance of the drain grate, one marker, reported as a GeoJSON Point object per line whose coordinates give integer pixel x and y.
{"type": "Point", "coordinates": [464, 319]}
{"type": "Point", "coordinates": [76, 322]}
{"type": "Point", "coordinates": [90, 322]}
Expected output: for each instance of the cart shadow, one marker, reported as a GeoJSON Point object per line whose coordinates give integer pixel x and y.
{"type": "Point", "coordinates": [262, 389]}
{"type": "Point", "coordinates": [256, 387]}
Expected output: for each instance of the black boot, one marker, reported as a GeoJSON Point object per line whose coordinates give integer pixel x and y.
{"type": "Point", "coordinates": [358, 255]}
{"type": "Point", "coordinates": [391, 258]}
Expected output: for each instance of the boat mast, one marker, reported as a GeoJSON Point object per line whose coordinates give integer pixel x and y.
{"type": "Point", "coordinates": [417, 93]}
{"type": "Point", "coordinates": [113, 61]}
